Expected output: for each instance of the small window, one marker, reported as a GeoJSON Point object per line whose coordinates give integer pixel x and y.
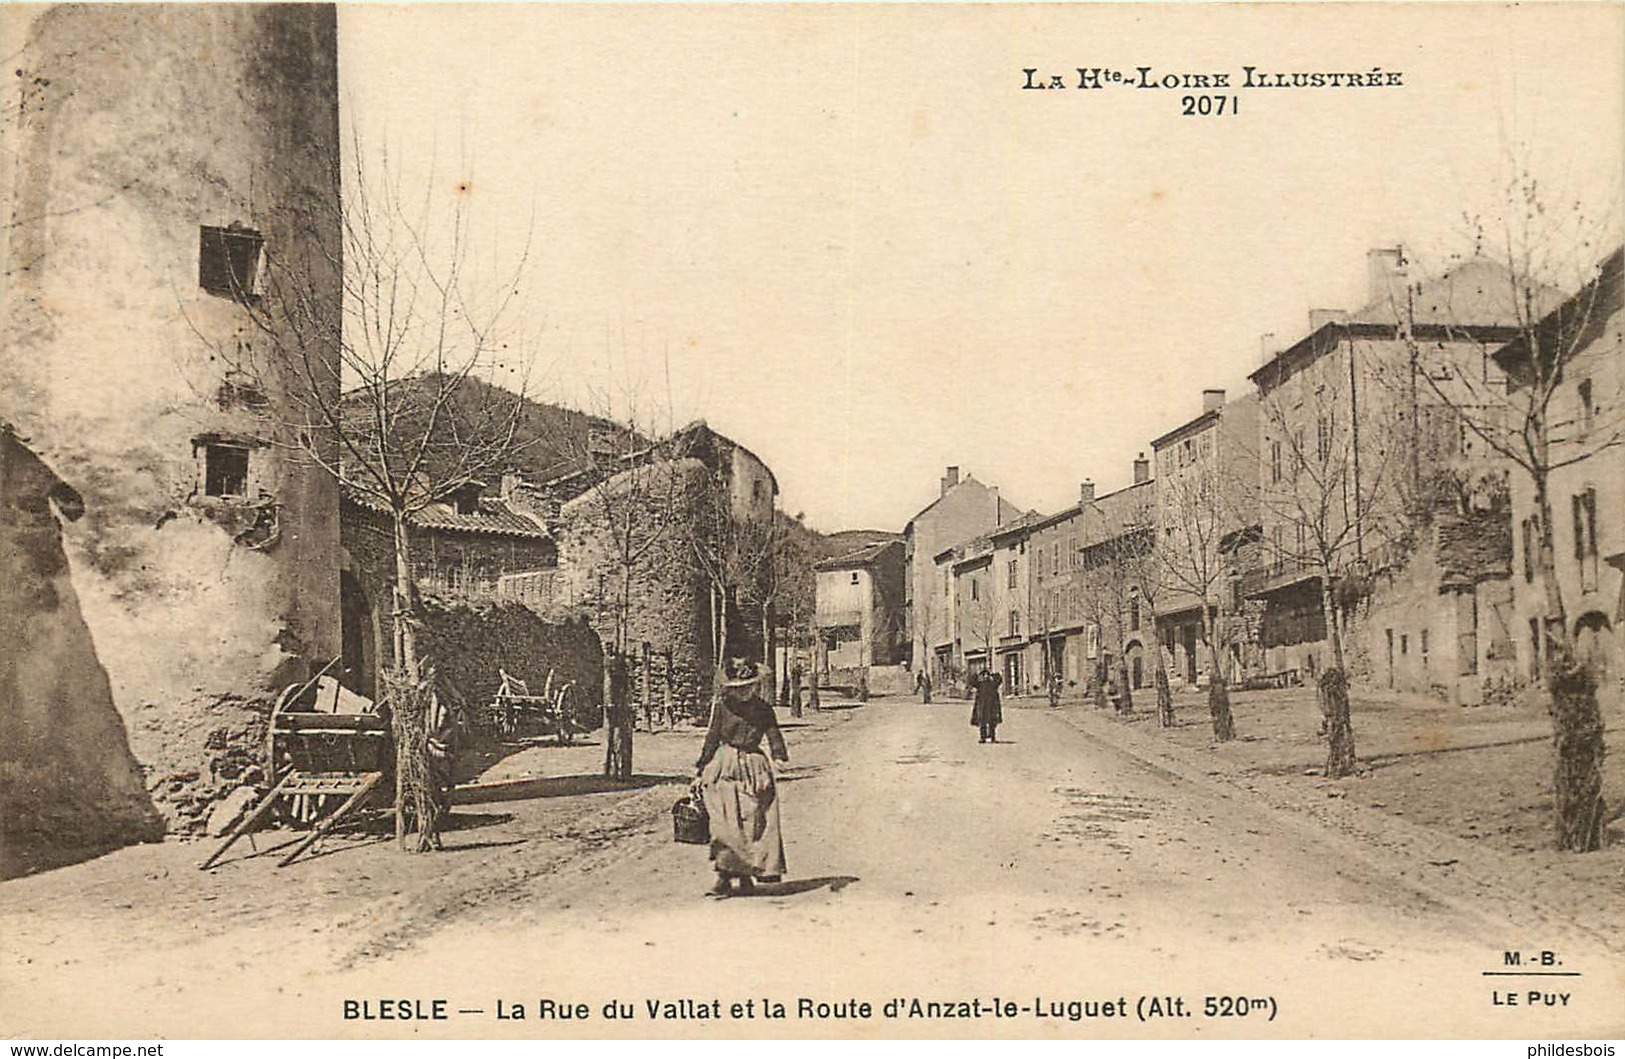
{"type": "Point", "coordinates": [225, 469]}
{"type": "Point", "coordinates": [1588, 407]}
{"type": "Point", "coordinates": [1010, 574]}
{"type": "Point", "coordinates": [228, 262]}
{"type": "Point", "coordinates": [854, 577]}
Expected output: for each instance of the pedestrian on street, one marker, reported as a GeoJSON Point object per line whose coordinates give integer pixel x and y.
{"type": "Point", "coordinates": [922, 684]}
{"type": "Point", "coordinates": [986, 713]}
{"type": "Point", "coordinates": [735, 783]}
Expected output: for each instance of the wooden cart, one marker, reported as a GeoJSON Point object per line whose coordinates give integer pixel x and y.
{"type": "Point", "coordinates": [516, 713]}
{"type": "Point", "coordinates": [326, 765]}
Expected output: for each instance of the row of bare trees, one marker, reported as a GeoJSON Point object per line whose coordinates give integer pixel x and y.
{"type": "Point", "coordinates": [1342, 490]}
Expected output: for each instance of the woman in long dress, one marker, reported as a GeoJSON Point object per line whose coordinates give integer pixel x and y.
{"type": "Point", "coordinates": [736, 785]}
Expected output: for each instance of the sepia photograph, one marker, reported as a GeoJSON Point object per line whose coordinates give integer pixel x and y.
{"type": "Point", "coordinates": [812, 521]}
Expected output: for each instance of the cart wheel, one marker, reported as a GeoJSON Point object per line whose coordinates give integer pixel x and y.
{"type": "Point", "coordinates": [563, 711]}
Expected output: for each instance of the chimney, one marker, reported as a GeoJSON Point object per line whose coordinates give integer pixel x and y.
{"type": "Point", "coordinates": [1382, 271]}
{"type": "Point", "coordinates": [998, 508]}
{"type": "Point", "coordinates": [1319, 318]}
{"type": "Point", "coordinates": [1266, 345]}
{"type": "Point", "coordinates": [1142, 469]}
{"type": "Point", "coordinates": [1086, 491]}
{"type": "Point", "coordinates": [1212, 401]}
{"type": "Point", "coordinates": [950, 480]}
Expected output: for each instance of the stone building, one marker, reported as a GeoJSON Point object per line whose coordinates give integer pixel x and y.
{"type": "Point", "coordinates": [1057, 617]}
{"type": "Point", "coordinates": [858, 607]}
{"type": "Point", "coordinates": [964, 508]}
{"type": "Point", "coordinates": [1079, 589]}
{"type": "Point", "coordinates": [161, 154]}
{"type": "Point", "coordinates": [631, 547]}
{"type": "Point", "coordinates": [1587, 495]}
{"type": "Point", "coordinates": [974, 621]}
{"type": "Point", "coordinates": [1009, 582]}
{"type": "Point", "coordinates": [1355, 447]}
{"type": "Point", "coordinates": [470, 547]}
{"type": "Point", "coordinates": [1207, 482]}
{"type": "Point", "coordinates": [1116, 534]}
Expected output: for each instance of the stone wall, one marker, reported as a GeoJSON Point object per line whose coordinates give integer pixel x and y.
{"type": "Point", "coordinates": [670, 598]}
{"type": "Point", "coordinates": [467, 643]}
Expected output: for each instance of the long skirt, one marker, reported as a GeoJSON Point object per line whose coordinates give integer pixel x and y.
{"type": "Point", "coordinates": [743, 804]}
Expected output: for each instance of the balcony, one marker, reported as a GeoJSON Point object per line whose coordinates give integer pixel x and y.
{"type": "Point", "coordinates": [1277, 573]}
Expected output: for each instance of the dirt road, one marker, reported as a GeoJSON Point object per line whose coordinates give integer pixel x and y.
{"type": "Point", "coordinates": [1056, 871]}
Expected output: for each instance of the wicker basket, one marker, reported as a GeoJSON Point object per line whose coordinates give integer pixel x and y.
{"type": "Point", "coordinates": [689, 824]}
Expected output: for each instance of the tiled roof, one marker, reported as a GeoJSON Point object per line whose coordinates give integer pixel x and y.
{"type": "Point", "coordinates": [855, 558]}
{"type": "Point", "coordinates": [494, 517]}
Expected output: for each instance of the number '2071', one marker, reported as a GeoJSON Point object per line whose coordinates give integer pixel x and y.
{"type": "Point", "coordinates": [1208, 106]}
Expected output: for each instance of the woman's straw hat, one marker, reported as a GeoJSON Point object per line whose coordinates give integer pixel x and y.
{"type": "Point", "coordinates": [740, 673]}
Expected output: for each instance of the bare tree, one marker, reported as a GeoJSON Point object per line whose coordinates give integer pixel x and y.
{"type": "Point", "coordinates": [1194, 512]}
{"type": "Point", "coordinates": [397, 403]}
{"type": "Point", "coordinates": [924, 609]}
{"type": "Point", "coordinates": [634, 491]}
{"type": "Point", "coordinates": [1330, 512]}
{"type": "Point", "coordinates": [1045, 610]}
{"type": "Point", "coordinates": [1142, 562]}
{"type": "Point", "coordinates": [1535, 399]}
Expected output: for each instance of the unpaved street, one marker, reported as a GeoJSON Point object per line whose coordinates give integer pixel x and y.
{"type": "Point", "coordinates": [1056, 866]}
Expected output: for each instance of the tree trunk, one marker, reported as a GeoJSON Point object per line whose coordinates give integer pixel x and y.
{"type": "Point", "coordinates": [1334, 694]}
{"type": "Point", "coordinates": [1577, 725]}
{"type": "Point", "coordinates": [1099, 681]}
{"type": "Point", "coordinates": [770, 671]}
{"type": "Point", "coordinates": [1577, 785]}
{"type": "Point", "coordinates": [408, 713]}
{"type": "Point", "coordinates": [618, 721]}
{"type": "Point", "coordinates": [1218, 688]}
{"type": "Point", "coordinates": [812, 675]}
{"type": "Point", "coordinates": [1165, 694]}
{"type": "Point", "coordinates": [1125, 696]}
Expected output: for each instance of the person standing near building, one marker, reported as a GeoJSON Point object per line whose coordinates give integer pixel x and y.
{"type": "Point", "coordinates": [986, 712]}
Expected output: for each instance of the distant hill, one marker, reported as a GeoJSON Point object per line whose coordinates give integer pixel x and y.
{"type": "Point", "coordinates": [843, 541]}
{"type": "Point", "coordinates": [549, 440]}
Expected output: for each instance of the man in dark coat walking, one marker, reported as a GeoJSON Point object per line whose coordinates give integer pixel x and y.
{"type": "Point", "coordinates": [986, 712]}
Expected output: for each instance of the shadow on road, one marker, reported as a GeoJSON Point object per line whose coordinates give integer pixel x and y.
{"type": "Point", "coordinates": [554, 787]}
{"type": "Point", "coordinates": [790, 887]}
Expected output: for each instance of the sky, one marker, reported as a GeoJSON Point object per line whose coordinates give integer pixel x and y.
{"type": "Point", "coordinates": [847, 237]}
